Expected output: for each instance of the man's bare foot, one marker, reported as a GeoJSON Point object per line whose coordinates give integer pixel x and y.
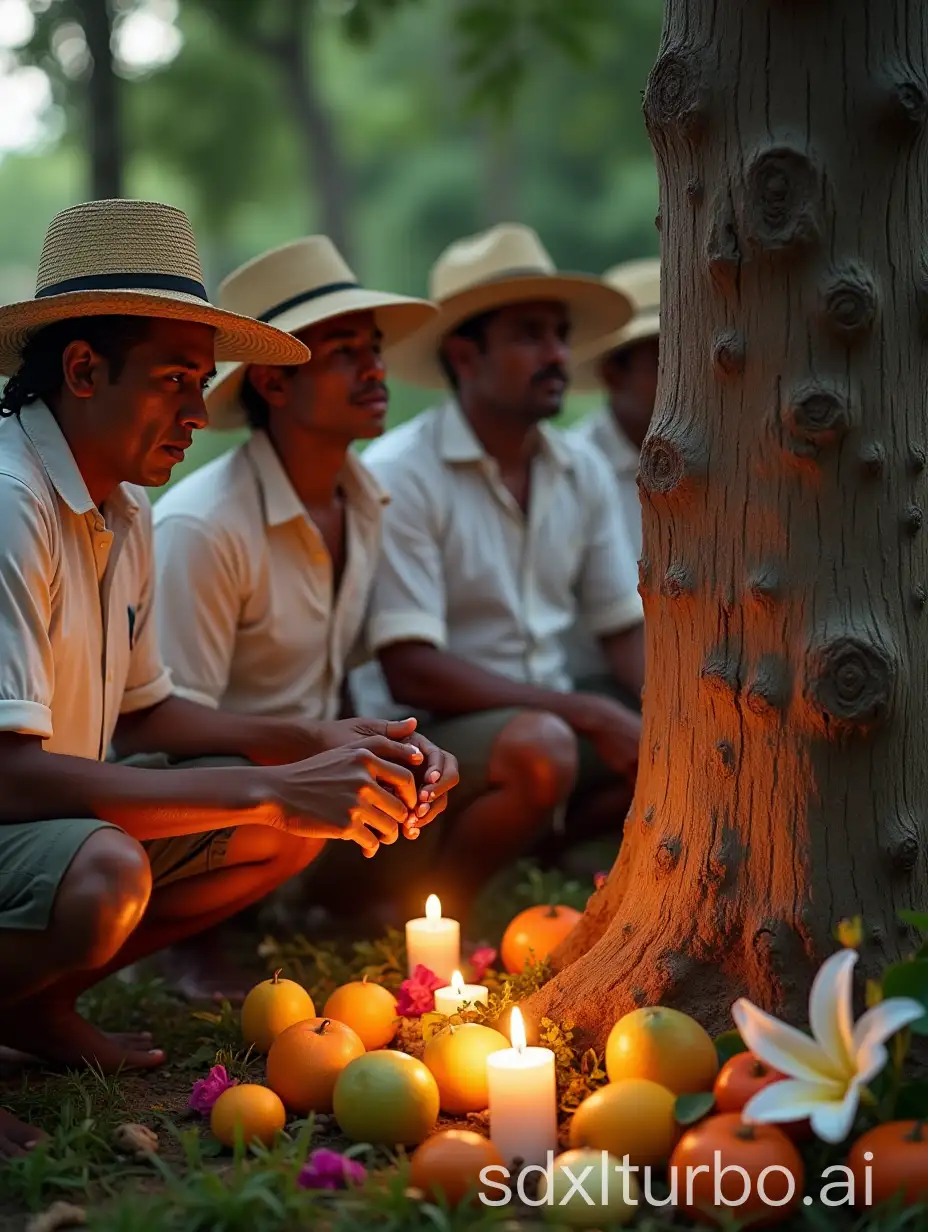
{"type": "Point", "coordinates": [16, 1137]}
{"type": "Point", "coordinates": [57, 1034]}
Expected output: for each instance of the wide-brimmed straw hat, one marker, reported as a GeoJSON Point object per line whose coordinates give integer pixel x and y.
{"type": "Point", "coordinates": [507, 264]}
{"type": "Point", "coordinates": [131, 258]}
{"type": "Point", "coordinates": [641, 282]}
{"type": "Point", "coordinates": [295, 286]}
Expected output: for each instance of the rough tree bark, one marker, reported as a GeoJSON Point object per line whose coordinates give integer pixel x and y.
{"type": "Point", "coordinates": [784, 774]}
{"type": "Point", "coordinates": [103, 102]}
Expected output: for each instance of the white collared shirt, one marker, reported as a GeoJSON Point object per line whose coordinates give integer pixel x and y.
{"type": "Point", "coordinates": [465, 570]}
{"type": "Point", "coordinates": [247, 614]}
{"type": "Point", "coordinates": [600, 429]}
{"type": "Point", "coordinates": [77, 639]}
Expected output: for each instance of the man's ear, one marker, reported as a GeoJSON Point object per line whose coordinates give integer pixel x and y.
{"type": "Point", "coordinates": [84, 370]}
{"type": "Point", "coordinates": [461, 354]}
{"type": "Point", "coordinates": [270, 382]}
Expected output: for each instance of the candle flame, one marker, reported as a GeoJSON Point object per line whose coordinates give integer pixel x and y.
{"type": "Point", "coordinates": [433, 908]}
{"type": "Point", "coordinates": [457, 982]}
{"type": "Point", "coordinates": [517, 1030]}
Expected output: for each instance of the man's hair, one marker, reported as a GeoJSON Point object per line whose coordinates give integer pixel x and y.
{"type": "Point", "coordinates": [257, 411]}
{"type": "Point", "coordinates": [475, 329]}
{"type": "Point", "coordinates": [41, 371]}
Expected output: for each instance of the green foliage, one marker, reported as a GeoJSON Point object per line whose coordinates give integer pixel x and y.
{"type": "Point", "coordinates": [728, 1045]}
{"type": "Point", "coordinates": [688, 1109]}
{"type": "Point", "coordinates": [579, 1074]}
{"type": "Point", "coordinates": [321, 968]}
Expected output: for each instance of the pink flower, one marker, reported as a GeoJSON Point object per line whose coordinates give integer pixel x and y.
{"type": "Point", "coordinates": [481, 960]}
{"type": "Point", "coordinates": [417, 994]}
{"type": "Point", "coordinates": [600, 879]}
{"type": "Point", "coordinates": [329, 1170]}
{"type": "Point", "coordinates": [207, 1090]}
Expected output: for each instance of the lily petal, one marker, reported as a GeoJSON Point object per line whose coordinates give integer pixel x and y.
{"type": "Point", "coordinates": [832, 1121]}
{"type": "Point", "coordinates": [880, 1023]}
{"type": "Point", "coordinates": [831, 1009]}
{"type": "Point", "coordinates": [781, 1046]}
{"type": "Point", "coordinates": [789, 1100]}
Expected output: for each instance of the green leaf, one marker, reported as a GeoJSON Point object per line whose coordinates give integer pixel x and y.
{"type": "Point", "coordinates": [728, 1045]}
{"type": "Point", "coordinates": [688, 1109]}
{"type": "Point", "coordinates": [918, 919]}
{"type": "Point", "coordinates": [912, 1101]}
{"type": "Point", "coordinates": [909, 979]}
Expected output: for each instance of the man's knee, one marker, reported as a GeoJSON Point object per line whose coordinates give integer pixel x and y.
{"type": "Point", "coordinates": [264, 845]}
{"type": "Point", "coordinates": [537, 754]}
{"type": "Point", "coordinates": [102, 898]}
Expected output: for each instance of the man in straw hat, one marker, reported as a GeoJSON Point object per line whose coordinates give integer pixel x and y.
{"type": "Point", "coordinates": [266, 556]}
{"type": "Point", "coordinates": [623, 364]}
{"type": "Point", "coordinates": [499, 530]}
{"type": "Point", "coordinates": [102, 863]}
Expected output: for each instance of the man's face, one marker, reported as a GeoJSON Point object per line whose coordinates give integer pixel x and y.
{"type": "Point", "coordinates": [521, 367]}
{"type": "Point", "coordinates": [630, 378]}
{"type": "Point", "coordinates": [341, 392]}
{"type": "Point", "coordinates": [141, 422]}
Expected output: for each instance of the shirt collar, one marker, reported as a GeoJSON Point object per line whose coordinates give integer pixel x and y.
{"type": "Point", "coordinates": [281, 503]}
{"type": "Point", "coordinates": [459, 443]}
{"type": "Point", "coordinates": [49, 442]}
{"type": "Point", "coordinates": [622, 454]}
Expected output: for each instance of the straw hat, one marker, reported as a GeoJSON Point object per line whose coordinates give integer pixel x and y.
{"type": "Point", "coordinates": [506, 265]}
{"type": "Point", "coordinates": [135, 258]}
{"type": "Point", "coordinates": [295, 286]}
{"type": "Point", "coordinates": [641, 282]}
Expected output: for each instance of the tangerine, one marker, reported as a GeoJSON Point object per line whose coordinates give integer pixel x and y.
{"type": "Point", "coordinates": [457, 1058]}
{"type": "Point", "coordinates": [449, 1164]}
{"type": "Point", "coordinates": [306, 1059]}
{"type": "Point", "coordinates": [271, 1007]}
{"type": "Point", "coordinates": [633, 1117]}
{"type": "Point", "coordinates": [254, 1110]}
{"type": "Point", "coordinates": [534, 933]}
{"type": "Point", "coordinates": [664, 1045]}
{"type": "Point", "coordinates": [898, 1167]}
{"type": "Point", "coordinates": [368, 1009]}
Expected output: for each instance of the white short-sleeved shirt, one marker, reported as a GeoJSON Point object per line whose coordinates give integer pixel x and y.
{"type": "Point", "coordinates": [601, 430]}
{"type": "Point", "coordinates": [465, 570]}
{"type": "Point", "coordinates": [77, 639]}
{"type": "Point", "coordinates": [247, 614]}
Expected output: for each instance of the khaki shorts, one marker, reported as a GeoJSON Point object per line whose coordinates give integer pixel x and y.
{"type": "Point", "coordinates": [34, 857]}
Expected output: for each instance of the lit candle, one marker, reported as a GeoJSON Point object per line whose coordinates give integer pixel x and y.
{"type": "Point", "coordinates": [433, 941]}
{"type": "Point", "coordinates": [522, 1091]}
{"type": "Point", "coordinates": [449, 1000]}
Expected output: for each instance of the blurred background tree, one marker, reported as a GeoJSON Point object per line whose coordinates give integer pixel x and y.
{"type": "Point", "coordinates": [395, 126]}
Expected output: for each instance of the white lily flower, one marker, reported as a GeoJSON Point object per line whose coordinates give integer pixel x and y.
{"type": "Point", "coordinates": [824, 1074]}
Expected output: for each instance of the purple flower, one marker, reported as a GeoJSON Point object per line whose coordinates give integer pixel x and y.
{"type": "Point", "coordinates": [417, 994]}
{"type": "Point", "coordinates": [329, 1170]}
{"type": "Point", "coordinates": [207, 1090]}
{"type": "Point", "coordinates": [481, 960]}
{"type": "Point", "coordinates": [600, 879]}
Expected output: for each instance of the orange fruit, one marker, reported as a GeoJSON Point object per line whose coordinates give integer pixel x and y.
{"type": "Point", "coordinates": [368, 1009]}
{"type": "Point", "coordinates": [386, 1098]}
{"type": "Point", "coordinates": [449, 1165]}
{"type": "Point", "coordinates": [898, 1168]}
{"type": "Point", "coordinates": [271, 1007]}
{"type": "Point", "coordinates": [306, 1059]}
{"type": "Point", "coordinates": [256, 1110]}
{"type": "Point", "coordinates": [664, 1045]}
{"type": "Point", "coordinates": [633, 1117]}
{"type": "Point", "coordinates": [457, 1058]}
{"type": "Point", "coordinates": [534, 933]}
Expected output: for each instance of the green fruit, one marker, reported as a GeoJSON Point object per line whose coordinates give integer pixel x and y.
{"type": "Point", "coordinates": [576, 1211]}
{"type": "Point", "coordinates": [387, 1098]}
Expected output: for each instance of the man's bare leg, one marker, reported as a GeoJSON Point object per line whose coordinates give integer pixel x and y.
{"type": "Point", "coordinates": [45, 1022]}
{"type": "Point", "coordinates": [16, 1137]}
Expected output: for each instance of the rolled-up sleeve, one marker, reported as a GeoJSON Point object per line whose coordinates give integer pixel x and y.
{"type": "Point", "coordinates": [148, 681]}
{"type": "Point", "coordinates": [27, 567]}
{"type": "Point", "coordinates": [608, 596]}
{"type": "Point", "coordinates": [408, 596]}
{"type": "Point", "coordinates": [199, 605]}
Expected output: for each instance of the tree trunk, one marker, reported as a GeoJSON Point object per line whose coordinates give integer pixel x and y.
{"type": "Point", "coordinates": [784, 773]}
{"type": "Point", "coordinates": [106, 152]}
{"type": "Point", "coordinates": [326, 171]}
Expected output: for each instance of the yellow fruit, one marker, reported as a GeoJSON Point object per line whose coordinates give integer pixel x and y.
{"type": "Point", "coordinates": [387, 1098]}
{"type": "Point", "coordinates": [256, 1110]}
{"type": "Point", "coordinates": [448, 1165]}
{"type": "Point", "coordinates": [271, 1007]}
{"type": "Point", "coordinates": [457, 1059]}
{"type": "Point", "coordinates": [632, 1117]}
{"type": "Point", "coordinates": [608, 1195]}
{"type": "Point", "coordinates": [368, 1009]}
{"type": "Point", "coordinates": [664, 1045]}
{"type": "Point", "coordinates": [306, 1059]}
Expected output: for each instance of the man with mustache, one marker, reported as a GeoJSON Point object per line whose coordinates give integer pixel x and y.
{"type": "Point", "coordinates": [500, 531]}
{"type": "Point", "coordinates": [266, 556]}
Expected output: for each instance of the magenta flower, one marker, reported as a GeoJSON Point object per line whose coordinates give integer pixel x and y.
{"type": "Point", "coordinates": [329, 1170]}
{"type": "Point", "coordinates": [417, 994]}
{"type": "Point", "coordinates": [207, 1090]}
{"type": "Point", "coordinates": [600, 879]}
{"type": "Point", "coordinates": [481, 960]}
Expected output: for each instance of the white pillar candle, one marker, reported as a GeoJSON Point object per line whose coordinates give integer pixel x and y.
{"type": "Point", "coordinates": [433, 941]}
{"type": "Point", "coordinates": [449, 1000]}
{"type": "Point", "coordinates": [522, 1088]}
